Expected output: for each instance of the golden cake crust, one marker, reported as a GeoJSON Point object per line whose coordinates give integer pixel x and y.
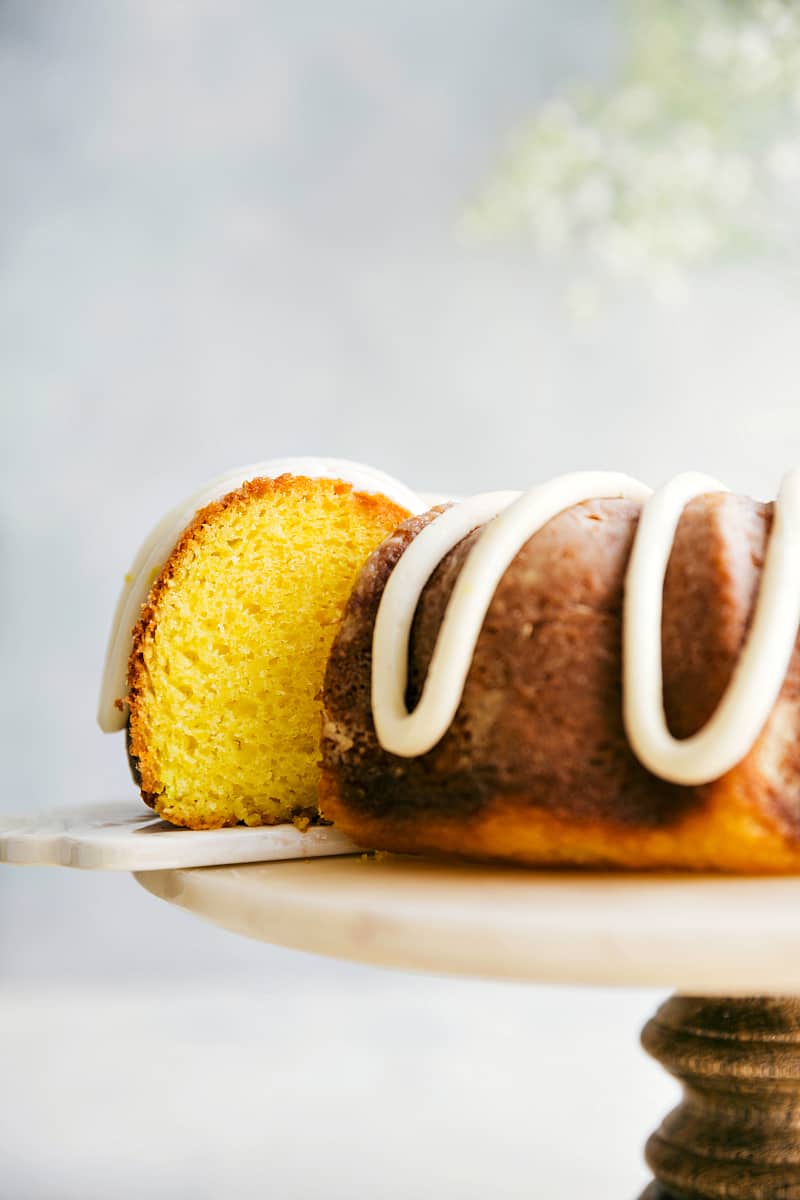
{"type": "Point", "coordinates": [536, 768]}
{"type": "Point", "coordinates": [144, 765]}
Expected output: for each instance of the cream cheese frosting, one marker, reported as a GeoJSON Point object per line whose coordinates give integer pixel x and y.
{"type": "Point", "coordinates": [161, 540]}
{"type": "Point", "coordinates": [510, 519]}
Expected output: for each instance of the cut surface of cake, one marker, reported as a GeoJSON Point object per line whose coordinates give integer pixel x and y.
{"type": "Point", "coordinates": [229, 652]}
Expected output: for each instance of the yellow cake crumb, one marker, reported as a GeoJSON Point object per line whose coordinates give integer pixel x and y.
{"type": "Point", "coordinates": [230, 653]}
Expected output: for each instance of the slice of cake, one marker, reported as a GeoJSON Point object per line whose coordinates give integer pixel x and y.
{"type": "Point", "coordinates": [227, 658]}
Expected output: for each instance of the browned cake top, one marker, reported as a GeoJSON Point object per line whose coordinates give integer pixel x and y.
{"type": "Point", "coordinates": [540, 721]}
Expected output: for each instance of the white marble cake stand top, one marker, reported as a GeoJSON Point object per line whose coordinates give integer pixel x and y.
{"type": "Point", "coordinates": [699, 934]}
{"type": "Point", "coordinates": [127, 836]}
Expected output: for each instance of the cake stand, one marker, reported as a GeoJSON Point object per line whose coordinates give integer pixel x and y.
{"type": "Point", "coordinates": [730, 946]}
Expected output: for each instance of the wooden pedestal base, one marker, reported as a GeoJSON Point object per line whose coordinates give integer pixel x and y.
{"type": "Point", "coordinates": [736, 1133]}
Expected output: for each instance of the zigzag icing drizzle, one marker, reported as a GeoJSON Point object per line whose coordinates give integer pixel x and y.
{"type": "Point", "coordinates": [511, 518]}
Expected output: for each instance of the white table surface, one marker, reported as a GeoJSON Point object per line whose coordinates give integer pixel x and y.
{"type": "Point", "coordinates": [325, 1084]}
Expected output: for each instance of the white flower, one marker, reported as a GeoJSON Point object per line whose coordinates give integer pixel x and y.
{"type": "Point", "coordinates": [754, 48]}
{"type": "Point", "coordinates": [695, 154]}
{"type": "Point", "coordinates": [593, 198]}
{"type": "Point", "coordinates": [619, 250]}
{"type": "Point", "coordinates": [696, 162]}
{"type": "Point", "coordinates": [733, 180]}
{"type": "Point", "coordinates": [783, 160]}
{"type": "Point", "coordinates": [692, 236]}
{"type": "Point", "coordinates": [782, 22]}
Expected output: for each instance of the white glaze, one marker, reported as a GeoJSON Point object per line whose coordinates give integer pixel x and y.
{"type": "Point", "coordinates": [512, 519]}
{"type": "Point", "coordinates": [160, 542]}
{"type": "Point", "coordinates": [751, 694]}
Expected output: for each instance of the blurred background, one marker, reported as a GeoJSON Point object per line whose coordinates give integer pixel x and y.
{"type": "Point", "coordinates": [474, 245]}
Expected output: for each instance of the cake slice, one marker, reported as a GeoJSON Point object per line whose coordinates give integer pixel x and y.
{"type": "Point", "coordinates": [228, 655]}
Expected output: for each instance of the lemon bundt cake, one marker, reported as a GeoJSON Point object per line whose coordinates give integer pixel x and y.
{"type": "Point", "coordinates": [235, 608]}
{"type": "Point", "coordinates": [587, 674]}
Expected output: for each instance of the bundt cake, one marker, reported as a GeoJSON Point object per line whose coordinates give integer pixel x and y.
{"type": "Point", "coordinates": [587, 674]}
{"type": "Point", "coordinates": [235, 599]}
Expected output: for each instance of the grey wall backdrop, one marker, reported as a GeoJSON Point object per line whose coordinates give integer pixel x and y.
{"type": "Point", "coordinates": [228, 232]}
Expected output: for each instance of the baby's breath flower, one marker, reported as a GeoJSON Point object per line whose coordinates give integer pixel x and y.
{"type": "Point", "coordinates": [783, 159]}
{"type": "Point", "coordinates": [686, 160]}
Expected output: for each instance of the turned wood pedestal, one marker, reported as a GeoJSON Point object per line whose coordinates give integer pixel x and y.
{"type": "Point", "coordinates": [736, 1133]}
